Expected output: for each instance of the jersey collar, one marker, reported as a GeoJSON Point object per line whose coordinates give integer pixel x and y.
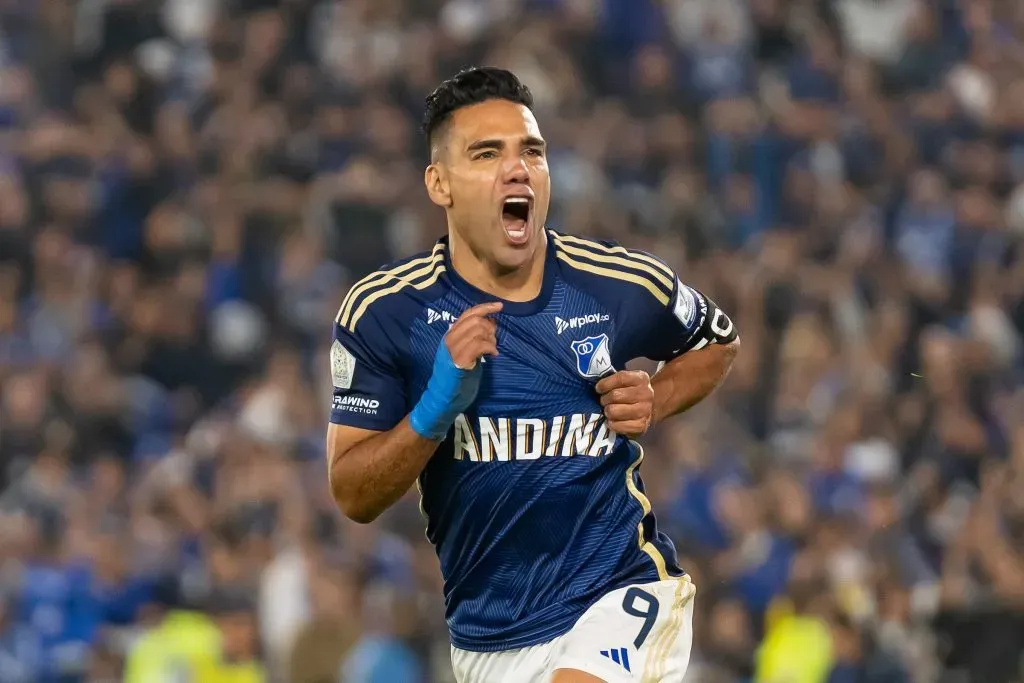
{"type": "Point", "coordinates": [478, 296]}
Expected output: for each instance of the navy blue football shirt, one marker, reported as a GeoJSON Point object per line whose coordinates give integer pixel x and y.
{"type": "Point", "coordinates": [535, 507]}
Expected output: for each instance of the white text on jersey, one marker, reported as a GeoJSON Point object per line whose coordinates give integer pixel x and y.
{"type": "Point", "coordinates": [561, 325]}
{"type": "Point", "coordinates": [356, 404]}
{"type": "Point", "coordinates": [501, 439]}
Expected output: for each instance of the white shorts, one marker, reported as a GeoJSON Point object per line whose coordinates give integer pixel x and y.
{"type": "Point", "coordinates": [637, 634]}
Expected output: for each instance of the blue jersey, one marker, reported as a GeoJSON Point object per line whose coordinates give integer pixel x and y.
{"type": "Point", "coordinates": [57, 604]}
{"type": "Point", "coordinates": [536, 509]}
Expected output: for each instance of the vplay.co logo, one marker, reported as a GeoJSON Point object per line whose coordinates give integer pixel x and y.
{"type": "Point", "coordinates": [561, 325]}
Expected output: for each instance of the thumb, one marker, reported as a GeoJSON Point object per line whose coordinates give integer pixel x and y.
{"type": "Point", "coordinates": [610, 382]}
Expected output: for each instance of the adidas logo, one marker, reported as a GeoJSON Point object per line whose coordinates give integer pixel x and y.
{"type": "Point", "coordinates": [561, 325]}
{"type": "Point", "coordinates": [433, 316]}
{"type": "Point", "coordinates": [619, 655]}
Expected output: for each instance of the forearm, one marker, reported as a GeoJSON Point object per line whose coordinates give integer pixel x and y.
{"type": "Point", "coordinates": [369, 477]}
{"type": "Point", "coordinates": [685, 381]}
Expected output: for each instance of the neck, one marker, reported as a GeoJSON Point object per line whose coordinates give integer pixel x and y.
{"type": "Point", "coordinates": [518, 284]}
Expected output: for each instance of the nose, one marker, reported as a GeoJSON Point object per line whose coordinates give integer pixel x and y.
{"type": "Point", "coordinates": [515, 170]}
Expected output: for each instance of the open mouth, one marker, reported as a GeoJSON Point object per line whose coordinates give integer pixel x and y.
{"type": "Point", "coordinates": [515, 218]}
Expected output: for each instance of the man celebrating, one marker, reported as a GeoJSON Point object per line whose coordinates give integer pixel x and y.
{"type": "Point", "coordinates": [489, 371]}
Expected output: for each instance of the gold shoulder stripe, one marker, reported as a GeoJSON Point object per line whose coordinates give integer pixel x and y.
{"type": "Point", "coordinates": [432, 269]}
{"type": "Point", "coordinates": [623, 251]}
{"type": "Point", "coordinates": [656, 276]}
{"type": "Point", "coordinates": [625, 276]}
{"type": "Point", "coordinates": [381, 277]}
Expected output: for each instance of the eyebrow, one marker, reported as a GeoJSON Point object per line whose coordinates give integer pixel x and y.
{"type": "Point", "coordinates": [528, 141]}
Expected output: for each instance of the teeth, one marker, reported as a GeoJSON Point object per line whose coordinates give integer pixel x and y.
{"type": "Point", "coordinates": [517, 200]}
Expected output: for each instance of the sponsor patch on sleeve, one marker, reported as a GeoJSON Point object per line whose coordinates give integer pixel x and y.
{"type": "Point", "coordinates": [343, 366]}
{"type": "Point", "coordinates": [685, 308]}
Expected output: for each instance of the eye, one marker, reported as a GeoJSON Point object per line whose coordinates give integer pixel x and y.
{"type": "Point", "coordinates": [490, 154]}
{"type": "Point", "coordinates": [534, 152]}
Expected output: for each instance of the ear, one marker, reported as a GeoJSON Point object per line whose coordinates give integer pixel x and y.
{"type": "Point", "coordinates": [438, 188]}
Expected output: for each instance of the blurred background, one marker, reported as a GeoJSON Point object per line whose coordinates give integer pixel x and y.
{"type": "Point", "coordinates": [188, 187]}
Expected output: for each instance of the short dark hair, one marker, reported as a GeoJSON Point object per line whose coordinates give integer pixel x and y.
{"type": "Point", "coordinates": [468, 87]}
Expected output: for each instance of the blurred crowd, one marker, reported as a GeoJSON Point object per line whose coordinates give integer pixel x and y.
{"type": "Point", "coordinates": [187, 187]}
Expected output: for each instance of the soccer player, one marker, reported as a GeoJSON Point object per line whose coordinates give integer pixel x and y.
{"type": "Point", "coordinates": [490, 371]}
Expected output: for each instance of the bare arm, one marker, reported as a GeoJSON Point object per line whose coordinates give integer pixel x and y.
{"type": "Point", "coordinates": [633, 402]}
{"type": "Point", "coordinates": [702, 343]}
{"type": "Point", "coordinates": [369, 471]}
{"type": "Point", "coordinates": [687, 380]}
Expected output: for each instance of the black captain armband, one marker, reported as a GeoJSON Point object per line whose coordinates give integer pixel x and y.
{"type": "Point", "coordinates": [715, 328]}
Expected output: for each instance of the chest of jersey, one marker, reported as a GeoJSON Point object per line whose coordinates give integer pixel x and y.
{"type": "Point", "coordinates": [537, 397]}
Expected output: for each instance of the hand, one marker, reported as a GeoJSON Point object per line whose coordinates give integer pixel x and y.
{"type": "Point", "coordinates": [473, 336]}
{"type": "Point", "coordinates": [628, 401]}
{"type": "Point", "coordinates": [455, 381]}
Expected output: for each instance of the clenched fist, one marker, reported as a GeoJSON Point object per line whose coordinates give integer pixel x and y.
{"type": "Point", "coordinates": [628, 401]}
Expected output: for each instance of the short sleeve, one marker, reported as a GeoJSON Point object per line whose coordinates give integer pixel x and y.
{"type": "Point", "coordinates": [689, 320]}
{"type": "Point", "coordinates": [369, 388]}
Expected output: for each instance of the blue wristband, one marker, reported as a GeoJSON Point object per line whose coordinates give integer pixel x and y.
{"type": "Point", "coordinates": [449, 392]}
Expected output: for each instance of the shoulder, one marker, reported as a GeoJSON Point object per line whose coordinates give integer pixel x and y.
{"type": "Point", "coordinates": [380, 292]}
{"type": "Point", "coordinates": [607, 262]}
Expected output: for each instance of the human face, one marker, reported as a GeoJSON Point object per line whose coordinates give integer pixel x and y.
{"type": "Point", "coordinates": [492, 179]}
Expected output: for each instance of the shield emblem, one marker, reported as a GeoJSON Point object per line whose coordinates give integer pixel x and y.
{"type": "Point", "coordinates": [593, 358]}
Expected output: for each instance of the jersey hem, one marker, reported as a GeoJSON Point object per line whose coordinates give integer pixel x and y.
{"type": "Point", "coordinates": [547, 635]}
